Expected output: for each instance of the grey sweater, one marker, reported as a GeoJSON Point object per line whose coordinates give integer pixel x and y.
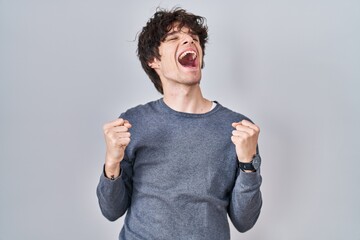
{"type": "Point", "coordinates": [180, 177]}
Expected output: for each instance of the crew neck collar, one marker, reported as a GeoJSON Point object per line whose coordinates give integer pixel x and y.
{"type": "Point", "coordinates": [185, 114]}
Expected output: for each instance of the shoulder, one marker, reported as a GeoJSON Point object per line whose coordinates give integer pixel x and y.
{"type": "Point", "coordinates": [141, 111]}
{"type": "Point", "coordinates": [226, 113]}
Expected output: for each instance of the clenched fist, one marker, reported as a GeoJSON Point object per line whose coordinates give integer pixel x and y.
{"type": "Point", "coordinates": [117, 138]}
{"type": "Point", "coordinates": [245, 137]}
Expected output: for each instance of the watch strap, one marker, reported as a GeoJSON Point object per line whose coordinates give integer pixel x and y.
{"type": "Point", "coordinates": [246, 166]}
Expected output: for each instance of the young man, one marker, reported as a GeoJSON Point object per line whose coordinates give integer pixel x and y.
{"type": "Point", "coordinates": [181, 164]}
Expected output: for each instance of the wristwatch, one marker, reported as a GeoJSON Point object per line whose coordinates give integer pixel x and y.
{"type": "Point", "coordinates": [253, 165]}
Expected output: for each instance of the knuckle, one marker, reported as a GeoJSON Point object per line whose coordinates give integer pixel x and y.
{"type": "Point", "coordinates": [111, 135]}
{"type": "Point", "coordinates": [105, 127]}
{"type": "Point", "coordinates": [124, 135]}
{"type": "Point", "coordinates": [108, 132]}
{"type": "Point", "coordinates": [242, 138]}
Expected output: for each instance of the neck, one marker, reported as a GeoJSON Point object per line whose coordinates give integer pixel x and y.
{"type": "Point", "coordinates": [187, 99]}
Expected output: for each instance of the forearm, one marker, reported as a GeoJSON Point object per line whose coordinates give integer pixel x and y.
{"type": "Point", "coordinates": [113, 197]}
{"type": "Point", "coordinates": [246, 201]}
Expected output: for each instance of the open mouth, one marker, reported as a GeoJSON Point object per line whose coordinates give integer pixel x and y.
{"type": "Point", "coordinates": [188, 58]}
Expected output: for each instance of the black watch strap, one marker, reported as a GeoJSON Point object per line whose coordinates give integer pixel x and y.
{"type": "Point", "coordinates": [253, 165]}
{"type": "Point", "coordinates": [246, 166]}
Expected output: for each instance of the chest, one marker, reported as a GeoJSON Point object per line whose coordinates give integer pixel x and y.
{"type": "Point", "coordinates": [200, 157]}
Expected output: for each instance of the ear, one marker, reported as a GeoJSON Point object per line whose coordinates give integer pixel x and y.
{"type": "Point", "coordinates": [154, 64]}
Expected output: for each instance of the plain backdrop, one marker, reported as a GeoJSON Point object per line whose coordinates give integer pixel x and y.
{"type": "Point", "coordinates": [67, 67]}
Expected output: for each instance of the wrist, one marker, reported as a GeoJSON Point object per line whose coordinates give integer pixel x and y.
{"type": "Point", "coordinates": [252, 166]}
{"type": "Point", "coordinates": [245, 160]}
{"type": "Point", "coordinates": [111, 170]}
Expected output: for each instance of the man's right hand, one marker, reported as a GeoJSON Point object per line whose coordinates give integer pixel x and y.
{"type": "Point", "coordinates": [117, 138]}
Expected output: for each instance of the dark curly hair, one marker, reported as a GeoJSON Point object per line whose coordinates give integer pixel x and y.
{"type": "Point", "coordinates": [155, 32]}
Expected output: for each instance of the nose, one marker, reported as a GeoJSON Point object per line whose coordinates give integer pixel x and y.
{"type": "Point", "coordinates": [187, 39]}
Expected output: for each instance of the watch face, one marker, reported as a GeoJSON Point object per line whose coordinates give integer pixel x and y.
{"type": "Point", "coordinates": [256, 162]}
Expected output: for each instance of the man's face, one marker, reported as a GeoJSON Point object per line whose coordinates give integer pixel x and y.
{"type": "Point", "coordinates": [181, 58]}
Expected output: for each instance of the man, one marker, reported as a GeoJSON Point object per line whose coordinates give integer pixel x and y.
{"type": "Point", "coordinates": [179, 165]}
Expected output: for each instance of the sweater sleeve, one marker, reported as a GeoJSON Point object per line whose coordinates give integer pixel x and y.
{"type": "Point", "coordinates": [114, 196]}
{"type": "Point", "coordinates": [246, 200]}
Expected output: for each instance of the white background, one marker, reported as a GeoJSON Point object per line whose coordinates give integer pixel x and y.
{"type": "Point", "coordinates": [67, 67]}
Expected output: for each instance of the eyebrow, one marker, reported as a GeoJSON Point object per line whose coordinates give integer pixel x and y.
{"type": "Point", "coordinates": [170, 34]}
{"type": "Point", "coordinates": [191, 33]}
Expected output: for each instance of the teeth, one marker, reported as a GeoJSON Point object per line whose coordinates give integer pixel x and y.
{"type": "Point", "coordinates": [193, 53]}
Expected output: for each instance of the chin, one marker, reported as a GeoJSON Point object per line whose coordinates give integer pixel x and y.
{"type": "Point", "coordinates": [194, 78]}
{"type": "Point", "coordinates": [192, 82]}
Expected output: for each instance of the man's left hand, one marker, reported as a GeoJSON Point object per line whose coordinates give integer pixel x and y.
{"type": "Point", "coordinates": [245, 137]}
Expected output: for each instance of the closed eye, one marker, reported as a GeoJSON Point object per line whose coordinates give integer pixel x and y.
{"type": "Point", "coordinates": [171, 38]}
{"type": "Point", "coordinates": [175, 36]}
{"type": "Point", "coordinates": [195, 37]}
